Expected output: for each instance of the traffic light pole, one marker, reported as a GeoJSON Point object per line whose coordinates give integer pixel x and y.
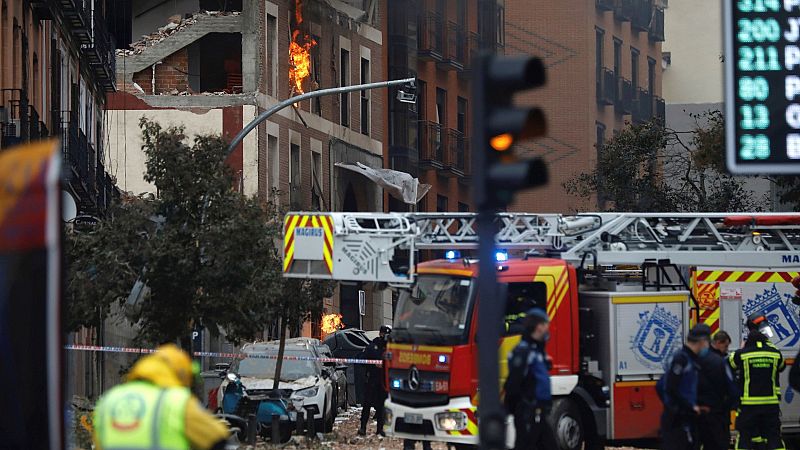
{"type": "Point", "coordinates": [492, 432]}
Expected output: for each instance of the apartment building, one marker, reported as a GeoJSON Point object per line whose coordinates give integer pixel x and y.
{"type": "Point", "coordinates": [603, 59]}
{"type": "Point", "coordinates": [56, 66]}
{"type": "Point", "coordinates": [213, 66]}
{"type": "Point", "coordinates": [436, 42]}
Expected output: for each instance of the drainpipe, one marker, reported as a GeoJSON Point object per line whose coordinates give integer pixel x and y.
{"type": "Point", "coordinates": [154, 76]}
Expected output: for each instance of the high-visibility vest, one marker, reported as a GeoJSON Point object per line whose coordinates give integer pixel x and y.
{"type": "Point", "coordinates": [758, 366]}
{"type": "Point", "coordinates": [140, 415]}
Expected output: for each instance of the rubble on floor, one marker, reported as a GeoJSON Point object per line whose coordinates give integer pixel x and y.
{"type": "Point", "coordinates": [176, 23]}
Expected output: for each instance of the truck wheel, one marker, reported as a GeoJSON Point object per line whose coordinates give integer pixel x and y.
{"type": "Point", "coordinates": [565, 418]}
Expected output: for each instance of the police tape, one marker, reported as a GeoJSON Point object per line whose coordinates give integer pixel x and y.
{"type": "Point", "coordinates": [106, 349]}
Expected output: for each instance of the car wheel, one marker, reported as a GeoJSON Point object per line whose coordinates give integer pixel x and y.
{"type": "Point", "coordinates": [565, 418]}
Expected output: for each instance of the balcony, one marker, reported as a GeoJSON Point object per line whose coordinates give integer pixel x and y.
{"type": "Point", "coordinates": [624, 101]}
{"type": "Point", "coordinates": [624, 10]}
{"type": "Point", "coordinates": [476, 44]}
{"type": "Point", "coordinates": [642, 14]}
{"type": "Point", "coordinates": [430, 37]}
{"type": "Point", "coordinates": [660, 107]}
{"type": "Point", "coordinates": [604, 5]}
{"type": "Point", "coordinates": [656, 32]}
{"type": "Point", "coordinates": [74, 12]}
{"type": "Point", "coordinates": [404, 159]}
{"type": "Point", "coordinates": [456, 53]}
{"type": "Point", "coordinates": [431, 145]}
{"type": "Point", "coordinates": [457, 163]}
{"type": "Point", "coordinates": [100, 53]}
{"type": "Point", "coordinates": [606, 87]}
{"type": "Point", "coordinates": [76, 152]}
{"type": "Point", "coordinates": [643, 106]}
{"type": "Point", "coordinates": [41, 9]}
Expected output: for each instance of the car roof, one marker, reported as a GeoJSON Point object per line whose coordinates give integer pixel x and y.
{"type": "Point", "coordinates": [274, 346]}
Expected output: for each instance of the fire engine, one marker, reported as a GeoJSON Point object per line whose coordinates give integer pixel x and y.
{"type": "Point", "coordinates": [622, 289]}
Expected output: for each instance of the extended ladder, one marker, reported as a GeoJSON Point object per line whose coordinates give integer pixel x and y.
{"type": "Point", "coordinates": [361, 246]}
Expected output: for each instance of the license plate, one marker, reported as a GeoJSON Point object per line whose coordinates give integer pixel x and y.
{"type": "Point", "coordinates": [413, 419]}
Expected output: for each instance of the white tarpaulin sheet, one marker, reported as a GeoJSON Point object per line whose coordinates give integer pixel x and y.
{"type": "Point", "coordinates": [399, 185]}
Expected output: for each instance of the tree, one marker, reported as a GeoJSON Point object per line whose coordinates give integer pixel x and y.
{"type": "Point", "coordinates": [206, 252]}
{"type": "Point", "coordinates": [648, 167]}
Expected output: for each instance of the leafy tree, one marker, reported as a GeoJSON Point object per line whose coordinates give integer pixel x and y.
{"type": "Point", "coordinates": [208, 254]}
{"type": "Point", "coordinates": [648, 167]}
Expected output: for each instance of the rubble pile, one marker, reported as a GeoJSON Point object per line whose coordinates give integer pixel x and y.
{"type": "Point", "coordinates": [176, 23]}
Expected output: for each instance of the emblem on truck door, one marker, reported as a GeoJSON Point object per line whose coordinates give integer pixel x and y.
{"type": "Point", "coordinates": [658, 335]}
{"type": "Point", "coordinates": [779, 311]}
{"type": "Point", "coordinates": [413, 378]}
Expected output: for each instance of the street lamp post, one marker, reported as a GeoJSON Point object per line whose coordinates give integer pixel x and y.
{"type": "Point", "coordinates": [318, 93]}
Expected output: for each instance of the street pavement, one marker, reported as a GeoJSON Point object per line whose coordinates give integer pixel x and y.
{"type": "Point", "coordinates": [345, 436]}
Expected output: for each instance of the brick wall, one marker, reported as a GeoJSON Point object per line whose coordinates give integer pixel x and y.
{"type": "Point", "coordinates": [171, 75]}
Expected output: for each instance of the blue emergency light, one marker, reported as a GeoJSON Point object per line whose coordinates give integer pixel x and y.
{"type": "Point", "coordinates": [452, 255]}
{"type": "Point", "coordinates": [501, 256]}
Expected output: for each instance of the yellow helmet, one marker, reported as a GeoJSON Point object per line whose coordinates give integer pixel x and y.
{"type": "Point", "coordinates": [177, 360]}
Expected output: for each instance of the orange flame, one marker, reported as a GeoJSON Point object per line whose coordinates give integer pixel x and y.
{"type": "Point", "coordinates": [331, 323]}
{"type": "Point", "coordinates": [299, 53]}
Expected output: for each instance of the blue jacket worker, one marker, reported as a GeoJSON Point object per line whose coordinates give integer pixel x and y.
{"type": "Point", "coordinates": [527, 388]}
{"type": "Point", "coordinates": [678, 391]}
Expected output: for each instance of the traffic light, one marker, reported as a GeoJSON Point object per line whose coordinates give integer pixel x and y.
{"type": "Point", "coordinates": [499, 126]}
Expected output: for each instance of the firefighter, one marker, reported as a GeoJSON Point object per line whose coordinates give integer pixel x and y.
{"type": "Point", "coordinates": [375, 392]}
{"type": "Point", "coordinates": [757, 366]}
{"type": "Point", "coordinates": [678, 391]}
{"type": "Point", "coordinates": [527, 389]}
{"type": "Point", "coordinates": [155, 408]}
{"type": "Point", "coordinates": [716, 391]}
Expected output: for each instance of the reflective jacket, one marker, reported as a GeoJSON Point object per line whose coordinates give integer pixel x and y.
{"type": "Point", "coordinates": [141, 415]}
{"type": "Point", "coordinates": [757, 366]}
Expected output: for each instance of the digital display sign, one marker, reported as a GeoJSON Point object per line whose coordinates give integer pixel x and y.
{"type": "Point", "coordinates": [762, 86]}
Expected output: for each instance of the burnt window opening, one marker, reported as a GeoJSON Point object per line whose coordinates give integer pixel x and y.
{"type": "Point", "coordinates": [215, 63]}
{"type": "Point", "coordinates": [344, 80]}
{"type": "Point", "coordinates": [316, 76]}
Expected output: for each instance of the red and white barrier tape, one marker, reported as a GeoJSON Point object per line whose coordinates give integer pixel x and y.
{"type": "Point", "coordinates": [96, 348]}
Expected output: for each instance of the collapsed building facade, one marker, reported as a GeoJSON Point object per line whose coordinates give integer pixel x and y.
{"type": "Point", "coordinates": [213, 66]}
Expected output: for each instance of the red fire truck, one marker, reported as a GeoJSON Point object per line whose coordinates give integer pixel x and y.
{"type": "Point", "coordinates": [621, 289]}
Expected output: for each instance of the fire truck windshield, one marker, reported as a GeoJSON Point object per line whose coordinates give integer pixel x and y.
{"type": "Point", "coordinates": [435, 311]}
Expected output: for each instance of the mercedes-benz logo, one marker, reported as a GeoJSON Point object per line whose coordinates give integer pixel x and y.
{"type": "Point", "coordinates": [413, 378]}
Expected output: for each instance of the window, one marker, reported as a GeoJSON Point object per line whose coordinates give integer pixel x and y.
{"type": "Point", "coordinates": [272, 55]}
{"type": "Point", "coordinates": [617, 58]}
{"type": "Point", "coordinates": [600, 140]}
{"type": "Point", "coordinates": [316, 103]}
{"type": "Point", "coordinates": [461, 119]}
{"type": "Point", "coordinates": [274, 161]}
{"type": "Point", "coordinates": [294, 167]}
{"type": "Point", "coordinates": [521, 298]}
{"type": "Point", "coordinates": [634, 68]}
{"type": "Point", "coordinates": [421, 98]}
{"type": "Point", "coordinates": [365, 111]}
{"type": "Point", "coordinates": [344, 80]}
{"type": "Point", "coordinates": [441, 203]}
{"type": "Point", "coordinates": [463, 207]}
{"type": "Point", "coordinates": [441, 106]}
{"type": "Point", "coordinates": [598, 50]}
{"type": "Point", "coordinates": [316, 181]}
{"type": "Point", "coordinates": [651, 76]}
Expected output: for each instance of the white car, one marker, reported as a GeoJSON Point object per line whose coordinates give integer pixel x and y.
{"type": "Point", "coordinates": [302, 378]}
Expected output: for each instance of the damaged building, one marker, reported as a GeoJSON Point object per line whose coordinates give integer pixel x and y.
{"type": "Point", "coordinates": [213, 65]}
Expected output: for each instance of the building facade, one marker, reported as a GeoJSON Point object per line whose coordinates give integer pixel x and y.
{"type": "Point", "coordinates": [56, 66]}
{"type": "Point", "coordinates": [214, 71]}
{"type": "Point", "coordinates": [436, 41]}
{"type": "Point", "coordinates": [603, 59]}
{"type": "Point", "coordinates": [694, 75]}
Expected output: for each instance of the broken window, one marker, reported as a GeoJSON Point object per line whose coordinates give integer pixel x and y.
{"type": "Point", "coordinates": [215, 63]}
{"type": "Point", "coordinates": [272, 56]}
{"type": "Point", "coordinates": [365, 111]}
{"type": "Point", "coordinates": [344, 80]}
{"type": "Point", "coordinates": [316, 181]}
